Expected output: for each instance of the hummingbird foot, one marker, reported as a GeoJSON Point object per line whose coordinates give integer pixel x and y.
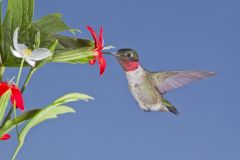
{"type": "Point", "coordinates": [146, 110]}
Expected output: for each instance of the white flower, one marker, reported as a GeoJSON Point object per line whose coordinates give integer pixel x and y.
{"type": "Point", "coordinates": [22, 51]}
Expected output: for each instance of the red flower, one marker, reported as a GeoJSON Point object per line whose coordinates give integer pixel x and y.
{"type": "Point", "coordinates": [16, 95]}
{"type": "Point", "coordinates": [99, 43]}
{"type": "Point", "coordinates": [5, 137]}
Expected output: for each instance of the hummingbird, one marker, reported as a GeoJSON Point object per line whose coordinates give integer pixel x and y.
{"type": "Point", "coordinates": [148, 88]}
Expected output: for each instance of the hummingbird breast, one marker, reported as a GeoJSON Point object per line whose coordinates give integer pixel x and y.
{"type": "Point", "coordinates": [143, 89]}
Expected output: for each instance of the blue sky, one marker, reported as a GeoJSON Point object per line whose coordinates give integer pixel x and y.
{"type": "Point", "coordinates": [168, 35]}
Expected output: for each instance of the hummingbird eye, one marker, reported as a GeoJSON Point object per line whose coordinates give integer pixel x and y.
{"type": "Point", "coordinates": [129, 55]}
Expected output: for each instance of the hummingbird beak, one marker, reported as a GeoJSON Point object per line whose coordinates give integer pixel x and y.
{"type": "Point", "coordinates": [111, 53]}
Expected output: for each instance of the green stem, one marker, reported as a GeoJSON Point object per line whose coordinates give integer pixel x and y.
{"type": "Point", "coordinates": [14, 105]}
{"type": "Point", "coordinates": [20, 72]}
{"type": "Point", "coordinates": [15, 153]}
{"type": "Point", "coordinates": [29, 76]}
{"type": "Point", "coordinates": [2, 69]}
{"type": "Point", "coordinates": [15, 115]}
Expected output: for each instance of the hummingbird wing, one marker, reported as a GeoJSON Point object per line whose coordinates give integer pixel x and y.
{"type": "Point", "coordinates": [169, 80]}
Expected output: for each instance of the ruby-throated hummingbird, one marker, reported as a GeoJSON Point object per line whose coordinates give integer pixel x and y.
{"type": "Point", "coordinates": [148, 87]}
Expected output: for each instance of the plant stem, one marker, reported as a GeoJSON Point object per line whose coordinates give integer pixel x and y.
{"type": "Point", "coordinates": [20, 72]}
{"type": "Point", "coordinates": [15, 115]}
{"type": "Point", "coordinates": [15, 153]}
{"type": "Point", "coordinates": [29, 76]}
{"type": "Point", "coordinates": [2, 69]}
{"type": "Point", "coordinates": [14, 105]}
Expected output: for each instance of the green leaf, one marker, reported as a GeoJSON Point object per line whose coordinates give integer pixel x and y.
{"type": "Point", "coordinates": [49, 112]}
{"type": "Point", "coordinates": [37, 40]}
{"type": "Point", "coordinates": [19, 14]}
{"type": "Point", "coordinates": [11, 123]}
{"type": "Point", "coordinates": [49, 26]}
{"type": "Point", "coordinates": [38, 116]}
{"type": "Point", "coordinates": [4, 103]}
{"type": "Point", "coordinates": [1, 37]}
{"type": "Point", "coordinates": [71, 97]}
{"type": "Point", "coordinates": [66, 42]}
{"type": "Point", "coordinates": [52, 46]}
{"type": "Point", "coordinates": [74, 56]}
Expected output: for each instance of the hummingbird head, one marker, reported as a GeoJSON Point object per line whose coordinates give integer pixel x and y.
{"type": "Point", "coordinates": [128, 59]}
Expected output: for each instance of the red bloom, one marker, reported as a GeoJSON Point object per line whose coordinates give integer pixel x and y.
{"type": "Point", "coordinates": [5, 137]}
{"type": "Point", "coordinates": [99, 43]}
{"type": "Point", "coordinates": [16, 95]}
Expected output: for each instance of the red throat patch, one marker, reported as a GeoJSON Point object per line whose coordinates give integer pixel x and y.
{"type": "Point", "coordinates": [128, 65]}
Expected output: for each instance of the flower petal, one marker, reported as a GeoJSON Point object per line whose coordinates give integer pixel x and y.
{"type": "Point", "coordinates": [108, 47]}
{"type": "Point", "coordinates": [30, 62]}
{"type": "Point", "coordinates": [3, 88]}
{"type": "Point", "coordinates": [5, 137]}
{"type": "Point", "coordinates": [100, 39]}
{"type": "Point", "coordinates": [99, 44]}
{"type": "Point", "coordinates": [16, 53]}
{"type": "Point", "coordinates": [21, 47]}
{"type": "Point", "coordinates": [16, 97]}
{"type": "Point", "coordinates": [94, 35]}
{"type": "Point", "coordinates": [92, 62]}
{"type": "Point", "coordinates": [102, 64]}
{"type": "Point", "coordinates": [15, 38]}
{"type": "Point", "coordinates": [39, 54]}
{"type": "Point", "coordinates": [18, 46]}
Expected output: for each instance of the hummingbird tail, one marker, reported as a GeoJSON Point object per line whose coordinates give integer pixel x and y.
{"type": "Point", "coordinates": [170, 107]}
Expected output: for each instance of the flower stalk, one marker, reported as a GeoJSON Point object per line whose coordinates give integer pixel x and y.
{"type": "Point", "coordinates": [14, 105]}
